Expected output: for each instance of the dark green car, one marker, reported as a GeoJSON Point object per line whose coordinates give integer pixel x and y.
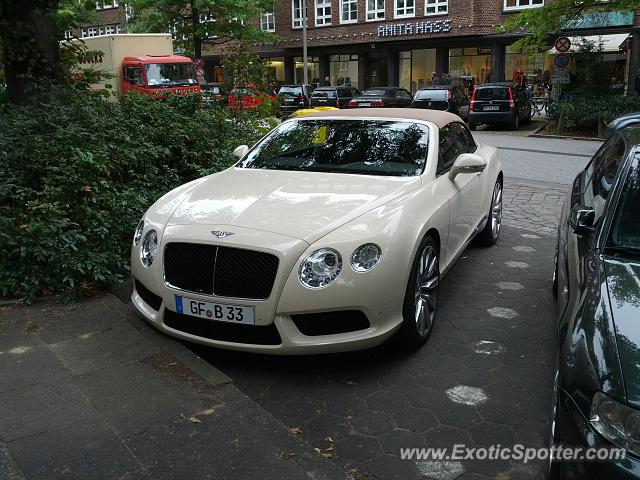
{"type": "Point", "coordinates": [597, 400]}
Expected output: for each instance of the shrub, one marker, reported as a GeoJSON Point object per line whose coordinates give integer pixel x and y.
{"type": "Point", "coordinates": [77, 172]}
{"type": "Point", "coordinates": [588, 114]}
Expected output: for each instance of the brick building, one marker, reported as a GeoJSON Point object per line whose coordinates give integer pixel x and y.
{"type": "Point", "coordinates": [111, 17]}
{"type": "Point", "coordinates": [403, 42]}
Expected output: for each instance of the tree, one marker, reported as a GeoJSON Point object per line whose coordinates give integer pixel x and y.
{"type": "Point", "coordinates": [242, 66]}
{"type": "Point", "coordinates": [30, 35]}
{"type": "Point", "coordinates": [194, 22]}
{"type": "Point", "coordinates": [542, 23]}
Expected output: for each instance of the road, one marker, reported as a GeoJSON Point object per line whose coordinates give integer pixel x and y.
{"type": "Point", "coordinates": [540, 159]}
{"type": "Point", "coordinates": [484, 377]}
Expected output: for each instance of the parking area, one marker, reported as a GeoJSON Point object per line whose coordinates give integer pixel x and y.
{"type": "Point", "coordinates": [484, 377]}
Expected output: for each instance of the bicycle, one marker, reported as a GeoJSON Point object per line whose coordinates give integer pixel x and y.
{"type": "Point", "coordinates": [539, 105]}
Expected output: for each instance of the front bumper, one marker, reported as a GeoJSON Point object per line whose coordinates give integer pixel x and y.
{"type": "Point", "coordinates": [575, 430]}
{"type": "Point", "coordinates": [278, 316]}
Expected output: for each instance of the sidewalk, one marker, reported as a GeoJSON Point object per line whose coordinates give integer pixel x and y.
{"type": "Point", "coordinates": [90, 391]}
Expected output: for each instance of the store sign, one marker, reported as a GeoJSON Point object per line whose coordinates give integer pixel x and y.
{"type": "Point", "coordinates": [599, 20]}
{"type": "Point", "coordinates": [414, 28]}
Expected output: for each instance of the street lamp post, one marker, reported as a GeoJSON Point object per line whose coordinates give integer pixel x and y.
{"type": "Point", "coordinates": [304, 42]}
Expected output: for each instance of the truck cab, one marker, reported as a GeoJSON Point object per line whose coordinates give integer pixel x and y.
{"type": "Point", "coordinates": [159, 75]}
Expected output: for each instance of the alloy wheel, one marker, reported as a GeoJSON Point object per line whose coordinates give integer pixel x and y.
{"type": "Point", "coordinates": [426, 291]}
{"type": "Point", "coordinates": [496, 210]}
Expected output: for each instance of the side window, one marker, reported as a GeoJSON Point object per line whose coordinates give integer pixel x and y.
{"type": "Point", "coordinates": [464, 135]}
{"type": "Point", "coordinates": [404, 95]}
{"type": "Point", "coordinates": [450, 148]}
{"type": "Point", "coordinates": [601, 173]}
{"type": "Point", "coordinates": [133, 75]}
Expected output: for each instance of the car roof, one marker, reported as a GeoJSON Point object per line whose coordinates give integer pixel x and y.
{"type": "Point", "coordinates": [434, 116]}
{"type": "Point", "coordinates": [295, 85]}
{"type": "Point", "coordinates": [335, 88]}
{"type": "Point", "coordinates": [495, 84]}
{"type": "Point", "coordinates": [437, 87]}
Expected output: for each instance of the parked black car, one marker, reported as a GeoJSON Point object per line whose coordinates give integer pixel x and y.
{"type": "Point", "coordinates": [393, 97]}
{"type": "Point", "coordinates": [623, 121]}
{"type": "Point", "coordinates": [499, 103]}
{"type": "Point", "coordinates": [443, 97]}
{"type": "Point", "coordinates": [333, 96]}
{"type": "Point", "coordinates": [294, 97]}
{"type": "Point", "coordinates": [597, 277]}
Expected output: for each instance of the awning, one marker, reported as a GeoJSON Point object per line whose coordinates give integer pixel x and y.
{"type": "Point", "coordinates": [610, 43]}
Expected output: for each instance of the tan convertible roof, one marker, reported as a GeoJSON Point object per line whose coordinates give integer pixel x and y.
{"type": "Point", "coordinates": [434, 116]}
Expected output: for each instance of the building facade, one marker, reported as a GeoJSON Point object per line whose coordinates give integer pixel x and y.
{"type": "Point", "coordinates": [404, 43]}
{"type": "Point", "coordinates": [111, 18]}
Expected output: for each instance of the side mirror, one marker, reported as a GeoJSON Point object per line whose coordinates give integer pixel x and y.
{"type": "Point", "coordinates": [240, 151]}
{"type": "Point", "coordinates": [581, 220]}
{"type": "Point", "coordinates": [467, 163]}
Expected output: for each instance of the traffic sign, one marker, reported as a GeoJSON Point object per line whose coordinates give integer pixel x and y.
{"type": "Point", "coordinates": [561, 60]}
{"type": "Point", "coordinates": [563, 44]}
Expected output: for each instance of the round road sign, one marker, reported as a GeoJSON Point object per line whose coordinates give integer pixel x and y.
{"type": "Point", "coordinates": [563, 44]}
{"type": "Point", "coordinates": [561, 60]}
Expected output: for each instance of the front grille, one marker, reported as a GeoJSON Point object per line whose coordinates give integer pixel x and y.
{"type": "Point", "coordinates": [223, 331]}
{"type": "Point", "coordinates": [150, 298]}
{"type": "Point", "coordinates": [219, 270]}
{"type": "Point", "coordinates": [330, 323]}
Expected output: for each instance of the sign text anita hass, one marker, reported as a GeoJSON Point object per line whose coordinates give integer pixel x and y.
{"type": "Point", "coordinates": [414, 28]}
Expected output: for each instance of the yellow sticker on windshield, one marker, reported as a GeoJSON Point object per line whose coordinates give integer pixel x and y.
{"type": "Point", "coordinates": [321, 135]}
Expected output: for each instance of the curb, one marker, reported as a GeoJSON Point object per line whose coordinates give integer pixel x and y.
{"type": "Point", "coordinates": [567, 137]}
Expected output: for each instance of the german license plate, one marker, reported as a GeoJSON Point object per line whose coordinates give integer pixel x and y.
{"type": "Point", "coordinates": [364, 104]}
{"type": "Point", "coordinates": [221, 312]}
{"type": "Point", "coordinates": [289, 100]}
{"type": "Point", "coordinates": [491, 108]}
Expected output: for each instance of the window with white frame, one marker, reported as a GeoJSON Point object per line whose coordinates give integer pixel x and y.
{"type": "Point", "coordinates": [375, 10]}
{"type": "Point", "coordinates": [436, 7]}
{"type": "Point", "coordinates": [268, 22]}
{"type": "Point", "coordinates": [405, 8]}
{"type": "Point", "coordinates": [296, 13]}
{"type": "Point", "coordinates": [92, 32]}
{"type": "Point", "coordinates": [110, 29]}
{"type": "Point", "coordinates": [105, 4]}
{"type": "Point", "coordinates": [348, 11]}
{"type": "Point", "coordinates": [68, 34]}
{"type": "Point", "coordinates": [522, 4]}
{"type": "Point", "coordinates": [323, 12]}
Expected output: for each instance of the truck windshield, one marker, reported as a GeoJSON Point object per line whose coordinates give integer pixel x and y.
{"type": "Point", "coordinates": [170, 74]}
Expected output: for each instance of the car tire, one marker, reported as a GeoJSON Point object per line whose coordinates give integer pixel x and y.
{"type": "Point", "coordinates": [472, 126]}
{"type": "Point", "coordinates": [491, 231]}
{"type": "Point", "coordinates": [515, 123]}
{"type": "Point", "coordinates": [421, 297]}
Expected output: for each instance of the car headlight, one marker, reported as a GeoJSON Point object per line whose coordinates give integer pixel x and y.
{"type": "Point", "coordinates": [365, 257]}
{"type": "Point", "coordinates": [138, 233]}
{"type": "Point", "coordinates": [320, 269]}
{"type": "Point", "coordinates": [149, 248]}
{"type": "Point", "coordinates": [616, 422]}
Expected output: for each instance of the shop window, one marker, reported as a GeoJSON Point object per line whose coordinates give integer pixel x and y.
{"type": "Point", "coordinates": [348, 11]}
{"type": "Point", "coordinates": [436, 7]}
{"type": "Point", "coordinates": [296, 13]}
{"type": "Point", "coordinates": [405, 8]}
{"type": "Point", "coordinates": [268, 22]}
{"type": "Point", "coordinates": [375, 10]}
{"type": "Point", "coordinates": [522, 4]}
{"type": "Point", "coordinates": [323, 12]}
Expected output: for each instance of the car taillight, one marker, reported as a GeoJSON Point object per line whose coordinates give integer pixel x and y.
{"type": "Point", "coordinates": [512, 104]}
{"type": "Point", "coordinates": [377, 103]}
{"type": "Point", "coordinates": [473, 100]}
{"type": "Point", "coordinates": [353, 103]}
{"type": "Point", "coordinates": [448, 94]}
{"type": "Point", "coordinates": [301, 100]}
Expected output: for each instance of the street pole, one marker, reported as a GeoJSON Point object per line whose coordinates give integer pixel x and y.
{"type": "Point", "coordinates": [304, 42]}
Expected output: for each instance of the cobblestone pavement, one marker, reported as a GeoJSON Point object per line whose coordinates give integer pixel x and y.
{"type": "Point", "coordinates": [483, 378]}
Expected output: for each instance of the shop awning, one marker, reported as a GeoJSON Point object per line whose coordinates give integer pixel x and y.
{"type": "Point", "coordinates": [610, 43]}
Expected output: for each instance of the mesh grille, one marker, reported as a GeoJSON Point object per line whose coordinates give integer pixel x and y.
{"type": "Point", "coordinates": [222, 271]}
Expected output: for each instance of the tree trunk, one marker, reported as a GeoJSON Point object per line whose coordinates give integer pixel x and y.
{"type": "Point", "coordinates": [30, 48]}
{"type": "Point", "coordinates": [195, 29]}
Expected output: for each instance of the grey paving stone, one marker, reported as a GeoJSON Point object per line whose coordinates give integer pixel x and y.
{"type": "Point", "coordinates": [34, 364]}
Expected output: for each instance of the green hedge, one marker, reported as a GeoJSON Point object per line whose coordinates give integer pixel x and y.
{"type": "Point", "coordinates": [588, 115]}
{"type": "Point", "coordinates": [77, 172]}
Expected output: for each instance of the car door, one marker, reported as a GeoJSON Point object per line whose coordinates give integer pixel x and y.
{"type": "Point", "coordinates": [591, 190]}
{"type": "Point", "coordinates": [465, 209]}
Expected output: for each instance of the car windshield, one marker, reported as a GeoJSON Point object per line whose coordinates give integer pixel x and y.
{"type": "Point", "coordinates": [324, 93]}
{"type": "Point", "coordinates": [170, 74]}
{"type": "Point", "coordinates": [374, 93]}
{"type": "Point", "coordinates": [290, 91]}
{"type": "Point", "coordinates": [437, 95]}
{"type": "Point", "coordinates": [625, 231]}
{"type": "Point", "coordinates": [369, 147]}
{"type": "Point", "coordinates": [492, 93]}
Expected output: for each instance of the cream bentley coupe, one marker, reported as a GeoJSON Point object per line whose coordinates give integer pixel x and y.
{"type": "Point", "coordinates": [331, 233]}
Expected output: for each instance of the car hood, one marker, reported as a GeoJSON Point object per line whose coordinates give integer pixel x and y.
{"type": "Point", "coordinates": [623, 283]}
{"type": "Point", "coordinates": [303, 205]}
